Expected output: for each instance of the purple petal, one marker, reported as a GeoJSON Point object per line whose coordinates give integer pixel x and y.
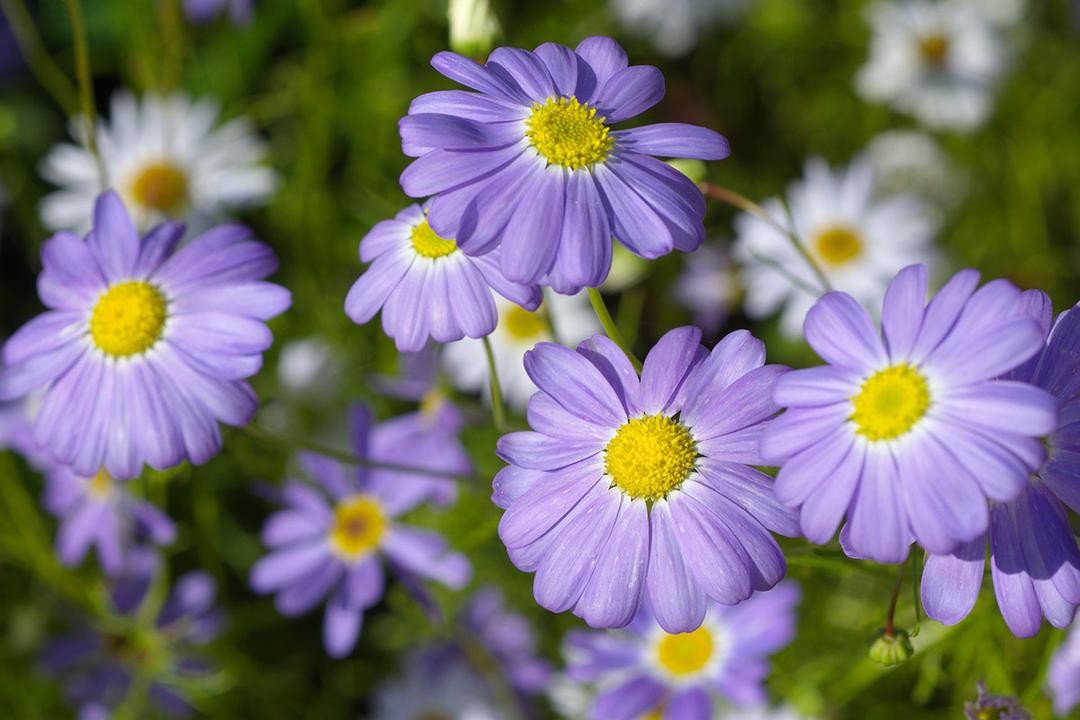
{"type": "Point", "coordinates": [341, 626]}
{"type": "Point", "coordinates": [574, 383]}
{"type": "Point", "coordinates": [114, 239]}
{"type": "Point", "coordinates": [528, 252]}
{"type": "Point", "coordinates": [629, 92]}
{"type": "Point", "coordinates": [541, 507]}
{"type": "Point", "coordinates": [677, 601]}
{"type": "Point", "coordinates": [627, 701]}
{"type": "Point", "coordinates": [666, 368]}
{"type": "Point", "coordinates": [282, 568]}
{"type": "Point", "coordinates": [675, 140]}
{"type": "Point", "coordinates": [612, 596]}
{"type": "Point", "coordinates": [902, 311]}
{"type": "Point", "coordinates": [951, 583]}
{"type": "Point", "coordinates": [840, 332]}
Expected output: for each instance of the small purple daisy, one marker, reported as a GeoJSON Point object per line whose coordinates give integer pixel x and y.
{"type": "Point", "coordinates": [1034, 558]}
{"type": "Point", "coordinates": [872, 433]}
{"type": "Point", "coordinates": [509, 637]}
{"type": "Point", "coordinates": [530, 162]}
{"type": "Point", "coordinates": [643, 669]}
{"type": "Point", "coordinates": [99, 512]}
{"type": "Point", "coordinates": [426, 287]}
{"type": "Point", "coordinates": [144, 348]}
{"type": "Point", "coordinates": [329, 542]}
{"type": "Point", "coordinates": [633, 487]}
{"type": "Point", "coordinates": [1063, 682]}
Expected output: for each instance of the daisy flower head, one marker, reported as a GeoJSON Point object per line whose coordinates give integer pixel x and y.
{"type": "Point", "coordinates": [509, 638]}
{"type": "Point", "coordinates": [567, 319]}
{"type": "Point", "coordinates": [436, 685]}
{"type": "Point", "coordinates": [633, 487]}
{"type": "Point", "coordinates": [426, 287]}
{"type": "Point", "coordinates": [937, 60]}
{"type": "Point", "coordinates": [144, 348]}
{"type": "Point", "coordinates": [530, 162]}
{"type": "Point", "coordinates": [857, 241]}
{"type": "Point", "coordinates": [166, 158]}
{"type": "Point", "coordinates": [674, 27]}
{"type": "Point", "coordinates": [328, 539]}
{"type": "Point", "coordinates": [871, 434]}
{"type": "Point", "coordinates": [909, 161]}
{"type": "Point", "coordinates": [1034, 558]}
{"type": "Point", "coordinates": [643, 671]}
{"type": "Point", "coordinates": [1063, 683]}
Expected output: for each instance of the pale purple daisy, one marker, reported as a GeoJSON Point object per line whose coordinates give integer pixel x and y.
{"type": "Point", "coordinates": [509, 638]}
{"type": "Point", "coordinates": [1001, 707]}
{"type": "Point", "coordinates": [144, 348]}
{"type": "Point", "coordinates": [643, 669]}
{"type": "Point", "coordinates": [100, 512]}
{"type": "Point", "coordinates": [426, 287]}
{"type": "Point", "coordinates": [872, 433]}
{"type": "Point", "coordinates": [530, 162]}
{"type": "Point", "coordinates": [631, 487]}
{"type": "Point", "coordinates": [328, 541]}
{"type": "Point", "coordinates": [1034, 558]}
{"type": "Point", "coordinates": [1063, 682]}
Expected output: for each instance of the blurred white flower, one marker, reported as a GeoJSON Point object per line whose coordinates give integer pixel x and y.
{"type": "Point", "coordinates": [167, 160]}
{"type": "Point", "coordinates": [473, 27]}
{"type": "Point", "coordinates": [306, 365]}
{"type": "Point", "coordinates": [938, 61]}
{"type": "Point", "coordinates": [858, 241]}
{"type": "Point", "coordinates": [707, 286]}
{"type": "Point", "coordinates": [912, 161]}
{"type": "Point", "coordinates": [674, 26]}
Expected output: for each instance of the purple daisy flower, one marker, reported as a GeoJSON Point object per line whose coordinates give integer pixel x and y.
{"type": "Point", "coordinates": [435, 685]}
{"type": "Point", "coordinates": [1001, 707]}
{"type": "Point", "coordinates": [643, 669]}
{"type": "Point", "coordinates": [509, 638]}
{"type": "Point", "coordinates": [1063, 682]}
{"type": "Point", "coordinates": [1034, 558]}
{"type": "Point", "coordinates": [144, 348]}
{"type": "Point", "coordinates": [426, 287]}
{"type": "Point", "coordinates": [203, 11]}
{"type": "Point", "coordinates": [633, 487]}
{"type": "Point", "coordinates": [329, 542]}
{"type": "Point", "coordinates": [99, 512]}
{"type": "Point", "coordinates": [530, 162]}
{"type": "Point", "coordinates": [872, 433]}
{"type": "Point", "coordinates": [419, 373]}
{"type": "Point", "coordinates": [97, 666]}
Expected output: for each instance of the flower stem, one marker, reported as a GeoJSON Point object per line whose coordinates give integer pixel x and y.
{"type": "Point", "coordinates": [41, 64]}
{"type": "Point", "coordinates": [498, 411]}
{"type": "Point", "coordinates": [86, 89]}
{"type": "Point", "coordinates": [743, 203]}
{"type": "Point", "coordinates": [890, 627]}
{"type": "Point", "coordinates": [610, 328]}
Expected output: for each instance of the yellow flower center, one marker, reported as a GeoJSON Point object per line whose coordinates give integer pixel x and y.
{"type": "Point", "coordinates": [427, 243]}
{"type": "Point", "coordinates": [685, 653]}
{"type": "Point", "coordinates": [128, 318]}
{"type": "Point", "coordinates": [161, 186]}
{"type": "Point", "coordinates": [568, 133]}
{"type": "Point", "coordinates": [358, 527]}
{"type": "Point", "coordinates": [890, 402]}
{"type": "Point", "coordinates": [934, 50]}
{"type": "Point", "coordinates": [521, 324]}
{"type": "Point", "coordinates": [101, 484]}
{"type": "Point", "coordinates": [650, 456]}
{"type": "Point", "coordinates": [837, 246]}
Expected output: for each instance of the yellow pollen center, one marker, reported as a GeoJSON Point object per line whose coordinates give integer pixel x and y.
{"type": "Point", "coordinates": [358, 527]}
{"type": "Point", "coordinates": [650, 456]}
{"type": "Point", "coordinates": [161, 186]}
{"type": "Point", "coordinates": [128, 318]}
{"type": "Point", "coordinates": [100, 484]}
{"type": "Point", "coordinates": [568, 133]}
{"type": "Point", "coordinates": [521, 324]}
{"type": "Point", "coordinates": [890, 402]}
{"type": "Point", "coordinates": [837, 246]}
{"type": "Point", "coordinates": [427, 243]}
{"type": "Point", "coordinates": [934, 50]}
{"type": "Point", "coordinates": [685, 653]}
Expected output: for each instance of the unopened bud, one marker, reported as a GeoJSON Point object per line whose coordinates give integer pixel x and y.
{"type": "Point", "coordinates": [891, 649]}
{"type": "Point", "coordinates": [473, 27]}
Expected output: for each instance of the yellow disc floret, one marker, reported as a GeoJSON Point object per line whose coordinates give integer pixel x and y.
{"type": "Point", "coordinates": [128, 318]}
{"type": "Point", "coordinates": [934, 50]}
{"type": "Point", "coordinates": [568, 133]}
{"type": "Point", "coordinates": [427, 243]}
{"type": "Point", "coordinates": [837, 245]}
{"type": "Point", "coordinates": [650, 456]}
{"type": "Point", "coordinates": [685, 653]}
{"type": "Point", "coordinates": [521, 324]}
{"type": "Point", "coordinates": [161, 186]}
{"type": "Point", "coordinates": [101, 484]}
{"type": "Point", "coordinates": [890, 402]}
{"type": "Point", "coordinates": [358, 526]}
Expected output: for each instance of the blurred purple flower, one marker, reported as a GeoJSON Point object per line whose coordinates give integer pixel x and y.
{"type": "Point", "coordinates": [419, 374]}
{"type": "Point", "coordinates": [327, 541]}
{"type": "Point", "coordinates": [1063, 682]}
{"type": "Point", "coordinates": [17, 431]}
{"type": "Point", "coordinates": [643, 669]}
{"type": "Point", "coordinates": [435, 685]}
{"type": "Point", "coordinates": [509, 637]}
{"type": "Point", "coordinates": [1035, 561]}
{"type": "Point", "coordinates": [999, 707]}
{"type": "Point", "coordinates": [706, 287]}
{"type": "Point", "coordinates": [204, 11]}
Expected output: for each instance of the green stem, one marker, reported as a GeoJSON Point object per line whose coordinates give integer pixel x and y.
{"type": "Point", "coordinates": [890, 627]}
{"type": "Point", "coordinates": [610, 328]}
{"type": "Point", "coordinates": [498, 411]}
{"type": "Point", "coordinates": [41, 64]}
{"type": "Point", "coordinates": [916, 601]}
{"type": "Point", "coordinates": [86, 89]}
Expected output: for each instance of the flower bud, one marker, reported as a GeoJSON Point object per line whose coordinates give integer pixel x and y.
{"type": "Point", "coordinates": [890, 650]}
{"type": "Point", "coordinates": [473, 27]}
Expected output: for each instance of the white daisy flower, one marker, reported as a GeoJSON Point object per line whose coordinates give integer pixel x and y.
{"type": "Point", "coordinates": [167, 160]}
{"type": "Point", "coordinates": [519, 331]}
{"type": "Point", "coordinates": [912, 161]}
{"type": "Point", "coordinates": [938, 61]}
{"type": "Point", "coordinates": [859, 242]}
{"type": "Point", "coordinates": [673, 26]}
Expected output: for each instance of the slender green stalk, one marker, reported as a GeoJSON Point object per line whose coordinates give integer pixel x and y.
{"type": "Point", "coordinates": [610, 328]}
{"type": "Point", "coordinates": [916, 601]}
{"type": "Point", "coordinates": [498, 411]}
{"type": "Point", "coordinates": [172, 40]}
{"type": "Point", "coordinates": [890, 626]}
{"type": "Point", "coordinates": [86, 89]}
{"type": "Point", "coordinates": [41, 64]}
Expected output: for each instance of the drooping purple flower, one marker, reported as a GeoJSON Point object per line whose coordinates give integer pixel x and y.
{"type": "Point", "coordinates": [530, 162]}
{"type": "Point", "coordinates": [97, 665]}
{"type": "Point", "coordinates": [509, 638]}
{"type": "Point", "coordinates": [426, 287]}
{"type": "Point", "coordinates": [1034, 558]}
{"type": "Point", "coordinates": [631, 487]}
{"type": "Point", "coordinates": [328, 541]}
{"type": "Point", "coordinates": [100, 512]}
{"type": "Point", "coordinates": [871, 434]}
{"type": "Point", "coordinates": [643, 669]}
{"type": "Point", "coordinates": [1000, 707]}
{"type": "Point", "coordinates": [1063, 682]}
{"type": "Point", "coordinates": [144, 348]}
{"type": "Point", "coordinates": [204, 11]}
